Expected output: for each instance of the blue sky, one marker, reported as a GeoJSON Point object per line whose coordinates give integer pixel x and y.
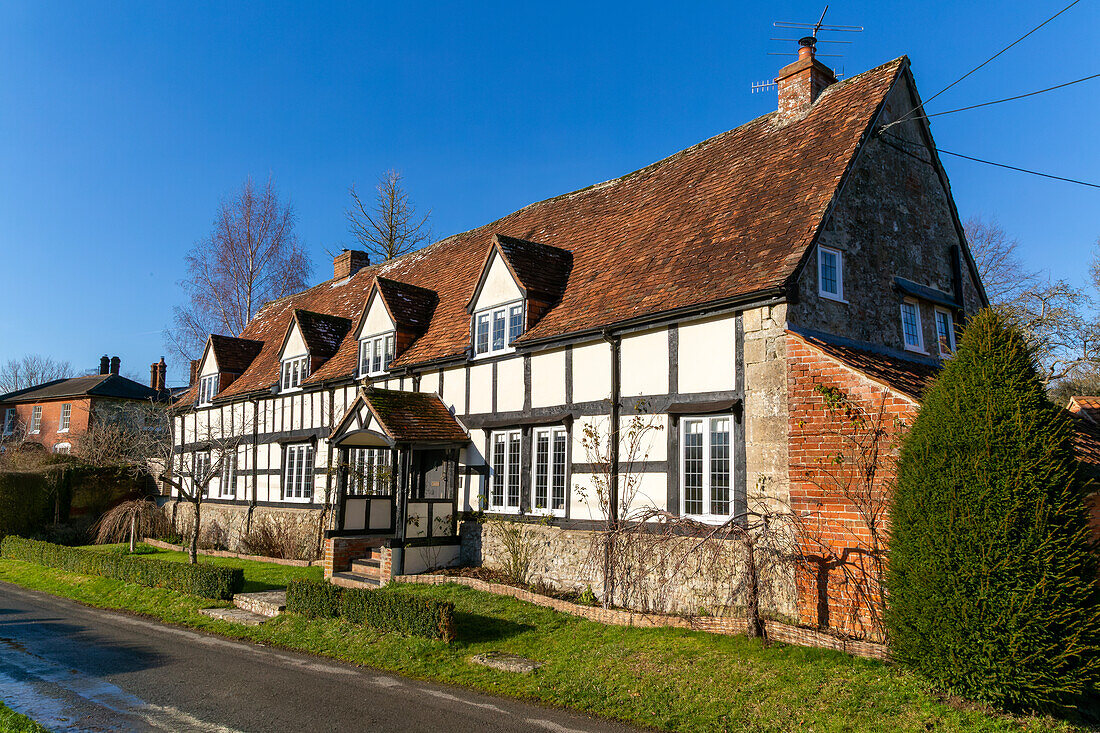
{"type": "Point", "coordinates": [123, 124]}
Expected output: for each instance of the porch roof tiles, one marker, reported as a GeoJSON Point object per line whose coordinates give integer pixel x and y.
{"type": "Point", "coordinates": [414, 416]}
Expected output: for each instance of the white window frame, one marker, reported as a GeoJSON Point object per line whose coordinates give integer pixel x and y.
{"type": "Point", "coordinates": [11, 417]}
{"type": "Point", "coordinates": [227, 476]}
{"type": "Point", "coordinates": [950, 331]}
{"type": "Point", "coordinates": [292, 372]}
{"type": "Point", "coordinates": [66, 416]}
{"type": "Point", "coordinates": [839, 294]}
{"type": "Point", "coordinates": [707, 474]}
{"type": "Point", "coordinates": [365, 474]}
{"type": "Point", "coordinates": [299, 459]}
{"type": "Point", "coordinates": [36, 420]}
{"type": "Point", "coordinates": [554, 463]}
{"type": "Point", "coordinates": [208, 388]}
{"type": "Point", "coordinates": [510, 313]}
{"type": "Point", "coordinates": [510, 465]}
{"type": "Point", "coordinates": [62, 448]}
{"type": "Point", "coordinates": [200, 469]}
{"type": "Point", "coordinates": [919, 346]}
{"type": "Point", "coordinates": [380, 347]}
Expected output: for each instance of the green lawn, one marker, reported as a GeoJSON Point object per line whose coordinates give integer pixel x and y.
{"type": "Point", "coordinates": [670, 679]}
{"type": "Point", "coordinates": [13, 722]}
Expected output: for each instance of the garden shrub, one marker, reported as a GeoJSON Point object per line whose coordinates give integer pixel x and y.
{"type": "Point", "coordinates": [992, 590]}
{"type": "Point", "coordinates": [380, 609]}
{"type": "Point", "coordinates": [25, 502]}
{"type": "Point", "coordinates": [207, 581]}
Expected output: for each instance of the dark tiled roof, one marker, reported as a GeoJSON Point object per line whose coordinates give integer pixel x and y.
{"type": "Point", "coordinates": [731, 217]}
{"type": "Point", "coordinates": [410, 306]}
{"type": "Point", "coordinates": [414, 416]}
{"type": "Point", "coordinates": [96, 385]}
{"type": "Point", "coordinates": [321, 332]}
{"type": "Point", "coordinates": [910, 378]}
{"type": "Point", "coordinates": [542, 270]}
{"type": "Point", "coordinates": [234, 354]}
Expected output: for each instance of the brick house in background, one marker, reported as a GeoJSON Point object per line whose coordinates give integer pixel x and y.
{"type": "Point", "coordinates": [55, 414]}
{"type": "Point", "coordinates": [715, 293]}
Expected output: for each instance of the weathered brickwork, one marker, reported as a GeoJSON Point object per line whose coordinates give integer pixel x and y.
{"type": "Point", "coordinates": [50, 433]}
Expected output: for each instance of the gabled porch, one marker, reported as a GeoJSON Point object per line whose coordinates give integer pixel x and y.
{"type": "Point", "coordinates": [396, 507]}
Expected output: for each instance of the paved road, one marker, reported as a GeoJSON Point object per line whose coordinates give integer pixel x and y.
{"type": "Point", "coordinates": [75, 668]}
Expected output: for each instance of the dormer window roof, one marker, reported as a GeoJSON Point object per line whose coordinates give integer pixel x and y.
{"type": "Point", "coordinates": [396, 314]}
{"type": "Point", "coordinates": [310, 340]}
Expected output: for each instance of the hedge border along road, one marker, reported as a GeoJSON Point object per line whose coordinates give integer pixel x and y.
{"type": "Point", "coordinates": [379, 609]}
{"type": "Point", "coordinates": [207, 581]}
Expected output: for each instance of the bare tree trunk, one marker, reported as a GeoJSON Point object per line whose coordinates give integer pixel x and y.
{"type": "Point", "coordinates": [755, 628]}
{"type": "Point", "coordinates": [133, 530]}
{"type": "Point", "coordinates": [193, 547]}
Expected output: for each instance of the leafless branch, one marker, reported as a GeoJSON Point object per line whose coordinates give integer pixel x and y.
{"type": "Point", "coordinates": [392, 226]}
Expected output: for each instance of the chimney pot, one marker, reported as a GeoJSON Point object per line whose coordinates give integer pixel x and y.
{"type": "Point", "coordinates": [349, 262]}
{"type": "Point", "coordinates": [153, 376]}
{"type": "Point", "coordinates": [104, 364]}
{"type": "Point", "coordinates": [162, 375]}
{"type": "Point", "coordinates": [115, 364]}
{"type": "Point", "coordinates": [802, 82]}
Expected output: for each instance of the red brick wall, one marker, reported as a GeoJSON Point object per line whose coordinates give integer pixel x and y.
{"type": "Point", "coordinates": [834, 506]}
{"type": "Point", "coordinates": [340, 551]}
{"type": "Point", "coordinates": [48, 434]}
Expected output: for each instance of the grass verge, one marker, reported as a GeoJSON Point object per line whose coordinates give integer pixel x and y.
{"type": "Point", "coordinates": [13, 722]}
{"type": "Point", "coordinates": [672, 679]}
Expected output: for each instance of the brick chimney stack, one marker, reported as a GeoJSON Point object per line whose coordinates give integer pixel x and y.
{"type": "Point", "coordinates": [115, 364]}
{"type": "Point", "coordinates": [194, 372]}
{"type": "Point", "coordinates": [162, 375]}
{"type": "Point", "coordinates": [349, 262]}
{"type": "Point", "coordinates": [104, 364]}
{"type": "Point", "coordinates": [801, 83]}
{"type": "Point", "coordinates": [153, 376]}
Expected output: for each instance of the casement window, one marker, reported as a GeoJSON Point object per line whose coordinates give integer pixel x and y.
{"type": "Point", "coordinates": [496, 328]}
{"type": "Point", "coordinates": [229, 474]}
{"type": "Point", "coordinates": [294, 371]}
{"type": "Point", "coordinates": [830, 273]}
{"type": "Point", "coordinates": [298, 472]}
{"type": "Point", "coordinates": [63, 421]}
{"type": "Point", "coordinates": [945, 332]}
{"type": "Point", "coordinates": [910, 326]}
{"type": "Point", "coordinates": [201, 475]}
{"type": "Point", "coordinates": [36, 419]}
{"type": "Point", "coordinates": [706, 467]}
{"type": "Point", "coordinates": [375, 354]}
{"type": "Point", "coordinates": [369, 471]}
{"type": "Point", "coordinates": [504, 471]}
{"type": "Point", "coordinates": [62, 448]}
{"type": "Point", "coordinates": [208, 387]}
{"type": "Point", "coordinates": [548, 465]}
{"type": "Point", "coordinates": [9, 421]}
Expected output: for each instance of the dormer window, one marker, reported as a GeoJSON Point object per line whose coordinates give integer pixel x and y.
{"type": "Point", "coordinates": [496, 328]}
{"type": "Point", "coordinates": [375, 354]}
{"type": "Point", "coordinates": [208, 387]}
{"type": "Point", "coordinates": [294, 371]}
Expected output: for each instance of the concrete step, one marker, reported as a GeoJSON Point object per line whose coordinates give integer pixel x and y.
{"type": "Point", "coordinates": [234, 615]}
{"type": "Point", "coordinates": [367, 567]}
{"type": "Point", "coordinates": [269, 603]}
{"type": "Point", "coordinates": [355, 580]}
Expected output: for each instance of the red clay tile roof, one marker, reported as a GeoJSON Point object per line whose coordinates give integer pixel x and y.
{"type": "Point", "coordinates": [409, 305]}
{"type": "Point", "coordinates": [1086, 407]}
{"type": "Point", "coordinates": [235, 354]}
{"type": "Point", "coordinates": [1087, 442]}
{"type": "Point", "coordinates": [414, 416]}
{"type": "Point", "coordinates": [541, 269]}
{"type": "Point", "coordinates": [322, 332]}
{"type": "Point", "coordinates": [910, 378]}
{"type": "Point", "coordinates": [728, 218]}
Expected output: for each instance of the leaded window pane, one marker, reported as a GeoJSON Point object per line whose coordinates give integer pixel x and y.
{"type": "Point", "coordinates": [496, 497]}
{"type": "Point", "coordinates": [558, 497]}
{"type": "Point", "coordinates": [910, 321]}
{"type": "Point", "coordinates": [482, 345]}
{"type": "Point", "coordinates": [693, 467]}
{"type": "Point", "coordinates": [498, 330]}
{"type": "Point", "coordinates": [515, 322]}
{"type": "Point", "coordinates": [720, 466]}
{"type": "Point", "coordinates": [829, 272]}
{"type": "Point", "coordinates": [542, 469]}
{"type": "Point", "coordinates": [513, 470]}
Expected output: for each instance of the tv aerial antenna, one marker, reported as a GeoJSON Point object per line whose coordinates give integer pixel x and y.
{"type": "Point", "coordinates": [808, 43]}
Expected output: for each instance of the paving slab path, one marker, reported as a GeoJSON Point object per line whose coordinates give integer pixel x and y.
{"type": "Point", "coordinates": [75, 668]}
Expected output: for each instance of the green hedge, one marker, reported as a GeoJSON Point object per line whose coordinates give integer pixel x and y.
{"type": "Point", "coordinates": [382, 610]}
{"type": "Point", "coordinates": [26, 501]}
{"type": "Point", "coordinates": [208, 581]}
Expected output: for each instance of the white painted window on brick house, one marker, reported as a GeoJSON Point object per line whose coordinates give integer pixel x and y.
{"type": "Point", "coordinates": [945, 332]}
{"type": "Point", "coordinates": [208, 387]}
{"type": "Point", "coordinates": [706, 467]}
{"type": "Point", "coordinates": [369, 472]}
{"type": "Point", "coordinates": [228, 481]}
{"type": "Point", "coordinates": [830, 273]}
{"type": "Point", "coordinates": [63, 421]}
{"type": "Point", "coordinates": [504, 471]}
{"type": "Point", "coordinates": [375, 354]}
{"type": "Point", "coordinates": [294, 371]}
{"type": "Point", "coordinates": [36, 419]}
{"type": "Point", "coordinates": [298, 472]}
{"type": "Point", "coordinates": [62, 448]}
{"type": "Point", "coordinates": [496, 328]}
{"type": "Point", "coordinates": [910, 326]}
{"type": "Point", "coordinates": [549, 470]}
{"type": "Point", "coordinates": [10, 417]}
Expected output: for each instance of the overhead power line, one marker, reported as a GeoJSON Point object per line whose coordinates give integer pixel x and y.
{"type": "Point", "coordinates": [1006, 99]}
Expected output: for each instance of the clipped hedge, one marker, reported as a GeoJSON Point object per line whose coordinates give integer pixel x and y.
{"type": "Point", "coordinates": [379, 609]}
{"type": "Point", "coordinates": [207, 581]}
{"type": "Point", "coordinates": [26, 503]}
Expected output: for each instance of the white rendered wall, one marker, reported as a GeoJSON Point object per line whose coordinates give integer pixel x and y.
{"type": "Point", "coordinates": [510, 390]}
{"type": "Point", "coordinates": [429, 382]}
{"type": "Point", "coordinates": [454, 389]}
{"type": "Point", "coordinates": [592, 372]}
{"type": "Point", "coordinates": [481, 388]}
{"type": "Point", "coordinates": [295, 345]}
{"type": "Point", "coordinates": [499, 286]}
{"type": "Point", "coordinates": [377, 320]}
{"type": "Point", "coordinates": [705, 360]}
{"type": "Point", "coordinates": [645, 363]}
{"type": "Point", "coordinates": [548, 379]}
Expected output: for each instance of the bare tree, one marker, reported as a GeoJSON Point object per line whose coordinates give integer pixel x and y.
{"type": "Point", "coordinates": [392, 226]}
{"type": "Point", "coordinates": [252, 255]}
{"type": "Point", "coordinates": [31, 370]}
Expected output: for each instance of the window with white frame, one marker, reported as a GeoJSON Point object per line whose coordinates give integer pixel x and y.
{"type": "Point", "coordinates": [10, 417]}
{"type": "Point", "coordinates": [706, 467]}
{"type": "Point", "coordinates": [496, 328]}
{"type": "Point", "coordinates": [376, 353]}
{"type": "Point", "coordinates": [36, 419]}
{"type": "Point", "coordinates": [549, 470]}
{"type": "Point", "coordinates": [294, 371]}
{"type": "Point", "coordinates": [208, 387]}
{"type": "Point", "coordinates": [228, 482]}
{"type": "Point", "coordinates": [945, 332]}
{"type": "Point", "coordinates": [201, 475]}
{"type": "Point", "coordinates": [504, 471]}
{"type": "Point", "coordinates": [298, 472]}
{"type": "Point", "coordinates": [910, 326]}
{"type": "Point", "coordinates": [63, 421]}
{"type": "Point", "coordinates": [830, 273]}
{"type": "Point", "coordinates": [62, 448]}
{"type": "Point", "coordinates": [369, 471]}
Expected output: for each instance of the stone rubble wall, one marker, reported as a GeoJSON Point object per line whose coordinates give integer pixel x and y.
{"type": "Point", "coordinates": [224, 525]}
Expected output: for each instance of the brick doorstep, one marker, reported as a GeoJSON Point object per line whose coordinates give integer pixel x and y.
{"type": "Point", "coordinates": [728, 625]}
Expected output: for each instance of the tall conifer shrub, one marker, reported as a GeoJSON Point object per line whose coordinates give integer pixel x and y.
{"type": "Point", "coordinates": [992, 582]}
